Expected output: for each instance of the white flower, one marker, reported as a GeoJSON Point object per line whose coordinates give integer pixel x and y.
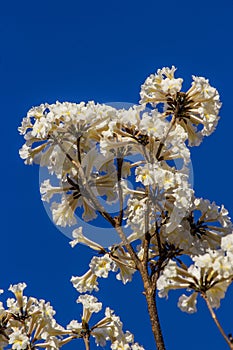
{"type": "Point", "coordinates": [80, 238]}
{"type": "Point", "coordinates": [90, 305]}
{"type": "Point", "coordinates": [200, 227]}
{"type": "Point", "coordinates": [146, 174]}
{"type": "Point", "coordinates": [126, 273]}
{"type": "Point", "coordinates": [41, 128]}
{"type": "Point", "coordinates": [52, 343]}
{"type": "Point", "coordinates": [47, 190]}
{"type": "Point", "coordinates": [63, 213]}
{"type": "Point", "coordinates": [85, 283]}
{"type": "Point", "coordinates": [25, 125]}
{"type": "Point", "coordinates": [213, 222]}
{"type": "Point", "coordinates": [120, 344]}
{"type": "Point", "coordinates": [74, 326]}
{"type": "Point", "coordinates": [158, 86]}
{"type": "Point", "coordinates": [124, 263]}
{"type": "Point", "coordinates": [175, 147]}
{"type": "Point", "coordinates": [100, 266]}
{"type": "Point", "coordinates": [153, 124]}
{"type": "Point", "coordinates": [130, 116]}
{"type": "Point", "coordinates": [224, 266]}
{"type": "Point", "coordinates": [227, 243]}
{"type": "Point", "coordinates": [181, 197]}
{"type": "Point", "coordinates": [46, 309]}
{"type": "Point", "coordinates": [62, 120]}
{"type": "Point", "coordinates": [31, 154]}
{"type": "Point", "coordinates": [18, 340]}
{"type": "Point", "coordinates": [217, 292]}
{"type": "Point", "coordinates": [18, 289]}
{"type": "Point", "coordinates": [101, 335]}
{"type": "Point", "coordinates": [135, 213]}
{"type": "Point", "coordinates": [188, 303]}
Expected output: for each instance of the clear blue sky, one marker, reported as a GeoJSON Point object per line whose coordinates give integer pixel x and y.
{"type": "Point", "coordinates": [103, 51]}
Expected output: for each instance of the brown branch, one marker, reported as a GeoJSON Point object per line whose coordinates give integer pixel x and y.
{"type": "Point", "coordinates": [121, 200]}
{"type": "Point", "coordinates": [78, 149]}
{"type": "Point", "coordinates": [147, 237]}
{"type": "Point", "coordinates": [128, 246]}
{"type": "Point", "coordinates": [86, 341]}
{"type": "Point", "coordinates": [161, 144]}
{"type": "Point", "coordinates": [150, 294]}
{"type": "Point", "coordinates": [216, 321]}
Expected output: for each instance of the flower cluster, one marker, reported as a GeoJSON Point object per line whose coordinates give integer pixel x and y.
{"type": "Point", "coordinates": [28, 323]}
{"type": "Point", "coordinates": [138, 158]}
{"type": "Point", "coordinates": [198, 106]}
{"type": "Point", "coordinates": [108, 328]}
{"type": "Point", "coordinates": [115, 259]}
{"type": "Point", "coordinates": [80, 144]}
{"type": "Point", "coordinates": [87, 146]}
{"type": "Point", "coordinates": [210, 275]}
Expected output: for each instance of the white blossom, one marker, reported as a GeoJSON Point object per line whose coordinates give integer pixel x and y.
{"type": "Point", "coordinates": [100, 266]}
{"type": "Point", "coordinates": [18, 340]}
{"type": "Point", "coordinates": [80, 238]}
{"type": "Point", "coordinates": [86, 283]}
{"type": "Point", "coordinates": [90, 305]}
{"type": "Point", "coordinates": [188, 303]}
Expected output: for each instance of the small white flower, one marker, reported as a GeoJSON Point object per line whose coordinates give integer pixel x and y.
{"type": "Point", "coordinates": [74, 326]}
{"type": "Point", "coordinates": [86, 283]}
{"type": "Point", "coordinates": [18, 340]}
{"type": "Point", "coordinates": [90, 305]}
{"type": "Point", "coordinates": [80, 238]}
{"type": "Point", "coordinates": [18, 289]}
{"type": "Point", "coordinates": [188, 303]}
{"type": "Point", "coordinates": [100, 266]}
{"type": "Point", "coordinates": [227, 243]}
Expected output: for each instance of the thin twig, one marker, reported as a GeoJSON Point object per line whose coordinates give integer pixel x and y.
{"type": "Point", "coordinates": [214, 317]}
{"type": "Point", "coordinates": [147, 237]}
{"type": "Point", "coordinates": [78, 149]}
{"type": "Point", "coordinates": [120, 191]}
{"type": "Point", "coordinates": [161, 144]}
{"type": "Point", "coordinates": [128, 246]}
{"type": "Point", "coordinates": [86, 342]}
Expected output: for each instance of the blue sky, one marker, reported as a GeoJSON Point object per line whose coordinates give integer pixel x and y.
{"type": "Point", "coordinates": [103, 51]}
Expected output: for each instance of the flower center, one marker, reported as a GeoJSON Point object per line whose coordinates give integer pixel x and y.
{"type": "Point", "coordinates": [198, 228]}
{"type": "Point", "coordinates": [179, 106]}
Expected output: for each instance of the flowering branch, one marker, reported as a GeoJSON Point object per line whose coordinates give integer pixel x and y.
{"type": "Point", "coordinates": [87, 147]}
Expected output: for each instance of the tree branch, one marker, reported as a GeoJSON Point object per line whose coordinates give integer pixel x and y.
{"type": "Point", "coordinates": [216, 321]}
{"type": "Point", "coordinates": [150, 294]}
{"type": "Point", "coordinates": [86, 341]}
{"type": "Point", "coordinates": [119, 172]}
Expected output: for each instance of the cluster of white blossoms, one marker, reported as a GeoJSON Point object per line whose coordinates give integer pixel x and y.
{"type": "Point", "coordinates": [28, 323]}
{"type": "Point", "coordinates": [116, 259]}
{"type": "Point", "coordinates": [80, 144]}
{"type": "Point", "coordinates": [198, 106]}
{"type": "Point", "coordinates": [138, 158]}
{"type": "Point", "coordinates": [108, 328]}
{"type": "Point", "coordinates": [209, 276]}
